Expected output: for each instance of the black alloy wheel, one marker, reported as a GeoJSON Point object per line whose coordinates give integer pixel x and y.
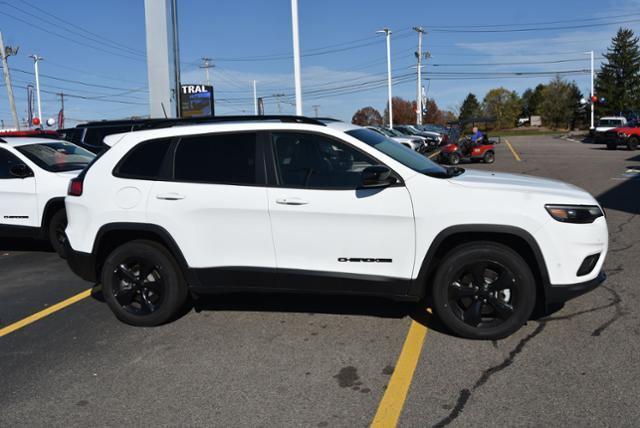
{"type": "Point", "coordinates": [138, 286]}
{"type": "Point", "coordinates": [143, 284]}
{"type": "Point", "coordinates": [483, 290]}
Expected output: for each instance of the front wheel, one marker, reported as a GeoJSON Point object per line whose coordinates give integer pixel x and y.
{"type": "Point", "coordinates": [454, 159]}
{"type": "Point", "coordinates": [142, 283]}
{"type": "Point", "coordinates": [632, 144]}
{"type": "Point", "coordinates": [484, 290]}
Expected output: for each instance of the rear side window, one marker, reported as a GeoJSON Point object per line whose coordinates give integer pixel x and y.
{"type": "Point", "coordinates": [220, 158]}
{"type": "Point", "coordinates": [144, 161]}
{"type": "Point", "coordinates": [7, 161]}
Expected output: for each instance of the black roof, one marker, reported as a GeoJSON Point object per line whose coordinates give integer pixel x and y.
{"type": "Point", "coordinates": [165, 123]}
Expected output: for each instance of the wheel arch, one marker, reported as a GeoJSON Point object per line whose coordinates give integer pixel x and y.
{"type": "Point", "coordinates": [112, 235]}
{"type": "Point", "coordinates": [516, 238]}
{"type": "Point", "coordinates": [52, 206]}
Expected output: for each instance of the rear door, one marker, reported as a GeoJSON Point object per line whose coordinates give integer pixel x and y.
{"type": "Point", "coordinates": [215, 207]}
{"type": "Point", "coordinates": [329, 233]}
{"type": "Point", "coordinates": [18, 202]}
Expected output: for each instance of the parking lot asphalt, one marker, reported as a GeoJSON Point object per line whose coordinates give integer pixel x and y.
{"type": "Point", "coordinates": [279, 360]}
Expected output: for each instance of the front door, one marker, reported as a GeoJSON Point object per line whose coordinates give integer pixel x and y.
{"type": "Point", "coordinates": [329, 233]}
{"type": "Point", "coordinates": [18, 200]}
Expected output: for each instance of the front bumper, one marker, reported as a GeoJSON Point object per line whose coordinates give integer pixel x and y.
{"type": "Point", "coordinates": [562, 293]}
{"type": "Point", "coordinates": [82, 264]}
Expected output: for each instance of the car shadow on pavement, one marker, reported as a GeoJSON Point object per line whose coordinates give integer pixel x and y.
{"type": "Point", "coordinates": [24, 244]}
{"type": "Point", "coordinates": [625, 196]}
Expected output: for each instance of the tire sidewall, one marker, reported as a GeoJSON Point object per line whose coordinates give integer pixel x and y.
{"type": "Point", "coordinates": [60, 217]}
{"type": "Point", "coordinates": [175, 286]}
{"type": "Point", "coordinates": [454, 159]}
{"type": "Point", "coordinates": [468, 253]}
{"type": "Point", "coordinates": [632, 143]}
{"type": "Point", "coordinates": [489, 157]}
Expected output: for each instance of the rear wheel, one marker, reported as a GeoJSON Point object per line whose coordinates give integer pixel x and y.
{"type": "Point", "coordinates": [489, 157]}
{"type": "Point", "coordinates": [454, 158]}
{"type": "Point", "coordinates": [56, 231]}
{"type": "Point", "coordinates": [484, 290]}
{"type": "Point", "coordinates": [142, 283]}
{"type": "Point", "coordinates": [632, 143]}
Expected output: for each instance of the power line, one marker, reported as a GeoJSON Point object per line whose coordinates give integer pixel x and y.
{"type": "Point", "coordinates": [566, 21]}
{"type": "Point", "coordinates": [536, 29]}
{"type": "Point", "coordinates": [79, 82]}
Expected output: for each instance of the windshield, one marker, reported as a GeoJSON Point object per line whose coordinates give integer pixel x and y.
{"type": "Point", "coordinates": [610, 122]}
{"type": "Point", "coordinates": [402, 154]}
{"type": "Point", "coordinates": [408, 131]}
{"type": "Point", "coordinates": [57, 156]}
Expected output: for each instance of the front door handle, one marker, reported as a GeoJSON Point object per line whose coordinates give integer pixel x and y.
{"type": "Point", "coordinates": [291, 201]}
{"type": "Point", "coordinates": [170, 196]}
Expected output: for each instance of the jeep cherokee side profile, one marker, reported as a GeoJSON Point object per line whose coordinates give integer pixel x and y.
{"type": "Point", "coordinates": [292, 204]}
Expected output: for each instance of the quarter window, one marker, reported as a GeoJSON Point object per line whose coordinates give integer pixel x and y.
{"type": "Point", "coordinates": [144, 161]}
{"type": "Point", "coordinates": [219, 158]}
{"type": "Point", "coordinates": [314, 161]}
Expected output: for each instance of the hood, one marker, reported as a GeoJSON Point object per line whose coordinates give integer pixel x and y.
{"type": "Point", "coordinates": [524, 184]}
{"type": "Point", "coordinates": [625, 129]}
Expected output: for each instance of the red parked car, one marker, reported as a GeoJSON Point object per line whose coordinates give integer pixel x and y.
{"type": "Point", "coordinates": [628, 136]}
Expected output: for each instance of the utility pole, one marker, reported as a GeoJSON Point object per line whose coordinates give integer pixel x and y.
{"type": "Point", "coordinates": [296, 56]}
{"type": "Point", "coordinates": [592, 93]}
{"type": "Point", "coordinates": [5, 52]}
{"type": "Point", "coordinates": [61, 122]}
{"type": "Point", "coordinates": [387, 32]}
{"type": "Point", "coordinates": [277, 97]}
{"type": "Point", "coordinates": [316, 108]}
{"type": "Point", "coordinates": [207, 65]}
{"type": "Point", "coordinates": [37, 59]}
{"type": "Point", "coordinates": [420, 32]}
{"type": "Point", "coordinates": [255, 99]}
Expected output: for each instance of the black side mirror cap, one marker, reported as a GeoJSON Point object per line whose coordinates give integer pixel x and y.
{"type": "Point", "coordinates": [21, 171]}
{"type": "Point", "coordinates": [377, 176]}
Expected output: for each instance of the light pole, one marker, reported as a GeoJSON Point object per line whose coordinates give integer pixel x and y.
{"type": "Point", "coordinates": [296, 56]}
{"type": "Point", "coordinates": [207, 65]}
{"type": "Point", "coordinates": [387, 32]}
{"type": "Point", "coordinates": [592, 92]}
{"type": "Point", "coordinates": [37, 59]}
{"type": "Point", "coordinates": [255, 99]}
{"type": "Point", "coordinates": [420, 32]}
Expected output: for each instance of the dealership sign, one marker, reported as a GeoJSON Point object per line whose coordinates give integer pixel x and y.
{"type": "Point", "coordinates": [196, 100]}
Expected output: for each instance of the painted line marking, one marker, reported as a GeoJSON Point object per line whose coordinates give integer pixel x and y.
{"type": "Point", "coordinates": [392, 403]}
{"type": "Point", "coordinates": [434, 154]}
{"type": "Point", "coordinates": [44, 313]}
{"type": "Point", "coordinates": [515, 154]}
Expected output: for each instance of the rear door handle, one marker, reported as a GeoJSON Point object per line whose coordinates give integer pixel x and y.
{"type": "Point", "coordinates": [291, 201]}
{"type": "Point", "coordinates": [170, 196]}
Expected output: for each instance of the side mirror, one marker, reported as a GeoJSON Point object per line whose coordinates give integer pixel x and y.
{"type": "Point", "coordinates": [21, 171]}
{"type": "Point", "coordinates": [377, 176]}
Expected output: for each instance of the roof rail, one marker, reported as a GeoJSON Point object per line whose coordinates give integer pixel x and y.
{"type": "Point", "coordinates": [169, 122]}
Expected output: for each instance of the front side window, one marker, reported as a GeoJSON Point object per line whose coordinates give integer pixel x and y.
{"type": "Point", "coordinates": [57, 156]}
{"type": "Point", "coordinates": [7, 161]}
{"type": "Point", "coordinates": [313, 161]}
{"type": "Point", "coordinates": [218, 158]}
{"type": "Point", "coordinates": [144, 161]}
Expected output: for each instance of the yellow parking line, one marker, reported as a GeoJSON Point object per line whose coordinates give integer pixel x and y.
{"type": "Point", "coordinates": [515, 154]}
{"type": "Point", "coordinates": [434, 154]}
{"type": "Point", "coordinates": [43, 313]}
{"type": "Point", "coordinates": [390, 407]}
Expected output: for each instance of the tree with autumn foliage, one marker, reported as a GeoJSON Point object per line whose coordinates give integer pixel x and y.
{"type": "Point", "coordinates": [367, 116]}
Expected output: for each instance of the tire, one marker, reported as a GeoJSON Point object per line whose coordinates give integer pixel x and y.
{"type": "Point", "coordinates": [489, 157]}
{"type": "Point", "coordinates": [611, 145]}
{"type": "Point", "coordinates": [632, 143]}
{"type": "Point", "coordinates": [55, 231]}
{"type": "Point", "coordinates": [467, 293]}
{"type": "Point", "coordinates": [141, 300]}
{"type": "Point", "coordinates": [454, 159]}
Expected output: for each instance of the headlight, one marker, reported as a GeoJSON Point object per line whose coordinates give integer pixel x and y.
{"type": "Point", "coordinates": [574, 213]}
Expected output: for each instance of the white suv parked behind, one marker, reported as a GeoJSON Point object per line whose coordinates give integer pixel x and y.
{"type": "Point", "coordinates": [34, 176]}
{"type": "Point", "coordinates": [292, 204]}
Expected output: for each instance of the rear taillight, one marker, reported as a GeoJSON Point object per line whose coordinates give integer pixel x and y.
{"type": "Point", "coordinates": [75, 186]}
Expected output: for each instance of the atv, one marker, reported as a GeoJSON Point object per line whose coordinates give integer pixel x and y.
{"type": "Point", "coordinates": [453, 153]}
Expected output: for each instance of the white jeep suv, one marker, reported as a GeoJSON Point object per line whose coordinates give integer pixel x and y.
{"type": "Point", "coordinates": [34, 176]}
{"type": "Point", "coordinates": [291, 204]}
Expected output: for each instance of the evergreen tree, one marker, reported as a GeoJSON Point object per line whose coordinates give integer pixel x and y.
{"type": "Point", "coordinates": [531, 99]}
{"type": "Point", "coordinates": [470, 108]}
{"type": "Point", "coordinates": [619, 78]}
{"type": "Point", "coordinates": [560, 104]}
